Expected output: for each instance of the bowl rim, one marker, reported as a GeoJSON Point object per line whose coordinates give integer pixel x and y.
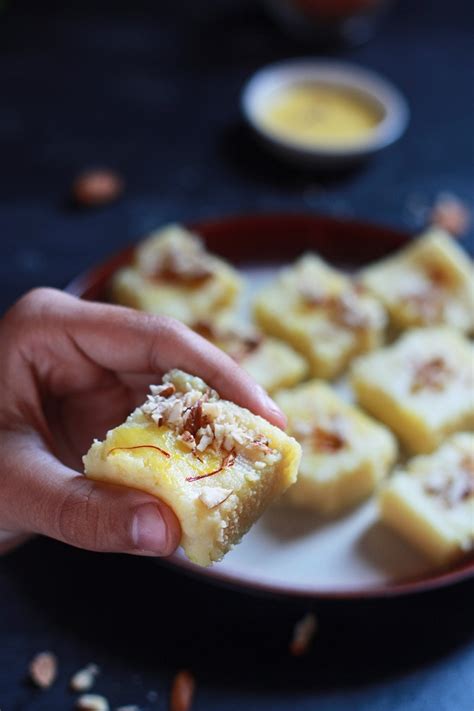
{"type": "Point", "coordinates": [351, 76]}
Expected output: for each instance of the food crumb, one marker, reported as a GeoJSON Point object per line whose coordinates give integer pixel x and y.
{"type": "Point", "coordinates": [97, 187]}
{"type": "Point", "coordinates": [451, 214]}
{"type": "Point", "coordinates": [182, 691]}
{"type": "Point", "coordinates": [84, 679]}
{"type": "Point", "coordinates": [43, 669]}
{"type": "Point", "coordinates": [303, 634]}
{"type": "Point", "coordinates": [92, 702]}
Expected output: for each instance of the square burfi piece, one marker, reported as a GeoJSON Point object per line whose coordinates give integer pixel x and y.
{"type": "Point", "coordinates": [272, 363]}
{"type": "Point", "coordinates": [428, 283]}
{"type": "Point", "coordinates": [214, 463]}
{"type": "Point", "coordinates": [345, 453]}
{"type": "Point", "coordinates": [430, 502]}
{"type": "Point", "coordinates": [422, 386]}
{"type": "Point", "coordinates": [322, 314]}
{"type": "Point", "coordinates": [172, 274]}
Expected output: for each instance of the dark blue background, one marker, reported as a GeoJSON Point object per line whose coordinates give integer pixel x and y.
{"type": "Point", "coordinates": [152, 89]}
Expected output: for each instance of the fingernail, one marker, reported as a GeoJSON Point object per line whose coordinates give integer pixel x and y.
{"type": "Point", "coordinates": [271, 405]}
{"type": "Point", "coordinates": [149, 531]}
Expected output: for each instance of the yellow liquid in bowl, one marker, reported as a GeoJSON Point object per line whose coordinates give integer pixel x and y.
{"type": "Point", "coordinates": [321, 115]}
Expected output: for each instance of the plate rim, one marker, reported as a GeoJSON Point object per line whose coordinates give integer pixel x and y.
{"type": "Point", "coordinates": [419, 584]}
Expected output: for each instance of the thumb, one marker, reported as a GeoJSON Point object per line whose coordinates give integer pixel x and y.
{"type": "Point", "coordinates": [40, 495]}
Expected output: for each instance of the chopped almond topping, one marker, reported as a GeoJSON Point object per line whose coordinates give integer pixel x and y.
{"type": "Point", "coordinates": [167, 390]}
{"type": "Point", "coordinates": [344, 309]}
{"type": "Point", "coordinates": [187, 263]}
{"type": "Point", "coordinates": [453, 486]}
{"type": "Point", "coordinates": [346, 312]}
{"type": "Point", "coordinates": [433, 374]}
{"type": "Point", "coordinates": [437, 275]}
{"type": "Point", "coordinates": [327, 441]}
{"type": "Point", "coordinates": [195, 419]}
{"type": "Point", "coordinates": [213, 496]}
{"type": "Point", "coordinates": [428, 304]}
{"type": "Point", "coordinates": [201, 420]}
{"type": "Point", "coordinates": [237, 342]}
{"type": "Point", "coordinates": [330, 435]}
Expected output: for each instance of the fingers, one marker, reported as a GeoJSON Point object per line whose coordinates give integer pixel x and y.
{"type": "Point", "coordinates": [190, 352]}
{"type": "Point", "coordinates": [56, 501]}
{"type": "Point", "coordinates": [129, 341]}
{"type": "Point", "coordinates": [159, 344]}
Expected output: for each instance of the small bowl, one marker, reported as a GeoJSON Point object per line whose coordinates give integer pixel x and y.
{"type": "Point", "coordinates": [371, 87]}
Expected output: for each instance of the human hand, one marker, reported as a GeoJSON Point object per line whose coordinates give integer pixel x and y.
{"type": "Point", "coordinates": [69, 371]}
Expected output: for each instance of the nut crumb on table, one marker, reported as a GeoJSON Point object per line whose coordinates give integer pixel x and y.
{"type": "Point", "coordinates": [43, 669]}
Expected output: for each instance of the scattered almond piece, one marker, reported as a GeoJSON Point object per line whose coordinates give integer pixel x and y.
{"type": "Point", "coordinates": [84, 679]}
{"type": "Point", "coordinates": [450, 214]}
{"type": "Point", "coordinates": [43, 669]}
{"type": "Point", "coordinates": [303, 634]}
{"type": "Point", "coordinates": [182, 691]}
{"type": "Point", "coordinates": [97, 187]}
{"type": "Point", "coordinates": [92, 702]}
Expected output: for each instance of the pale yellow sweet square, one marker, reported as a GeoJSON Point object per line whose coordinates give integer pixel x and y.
{"type": "Point", "coordinates": [321, 313]}
{"type": "Point", "coordinates": [214, 463]}
{"type": "Point", "coordinates": [430, 502]}
{"type": "Point", "coordinates": [345, 453]}
{"type": "Point", "coordinates": [172, 274]}
{"type": "Point", "coordinates": [429, 282]}
{"type": "Point", "coordinates": [272, 363]}
{"type": "Point", "coordinates": [422, 386]}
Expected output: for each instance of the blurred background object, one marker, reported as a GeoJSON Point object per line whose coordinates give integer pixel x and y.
{"type": "Point", "coordinates": [329, 22]}
{"type": "Point", "coordinates": [323, 114]}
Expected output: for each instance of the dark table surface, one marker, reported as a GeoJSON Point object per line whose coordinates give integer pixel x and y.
{"type": "Point", "coordinates": [152, 89]}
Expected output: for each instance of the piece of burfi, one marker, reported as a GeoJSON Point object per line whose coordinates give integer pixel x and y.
{"type": "Point", "coordinates": [422, 386]}
{"type": "Point", "coordinates": [320, 312]}
{"type": "Point", "coordinates": [214, 463]}
{"type": "Point", "coordinates": [429, 282]}
{"type": "Point", "coordinates": [173, 274]}
{"type": "Point", "coordinates": [431, 501]}
{"type": "Point", "coordinates": [272, 363]}
{"type": "Point", "coordinates": [345, 453]}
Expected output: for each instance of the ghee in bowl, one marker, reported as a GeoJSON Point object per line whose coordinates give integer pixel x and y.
{"type": "Point", "coordinates": [321, 114]}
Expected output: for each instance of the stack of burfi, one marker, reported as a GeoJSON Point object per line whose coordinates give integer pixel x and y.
{"type": "Point", "coordinates": [399, 329]}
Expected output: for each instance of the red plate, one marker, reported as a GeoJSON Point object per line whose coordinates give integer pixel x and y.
{"type": "Point", "coordinates": [268, 560]}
